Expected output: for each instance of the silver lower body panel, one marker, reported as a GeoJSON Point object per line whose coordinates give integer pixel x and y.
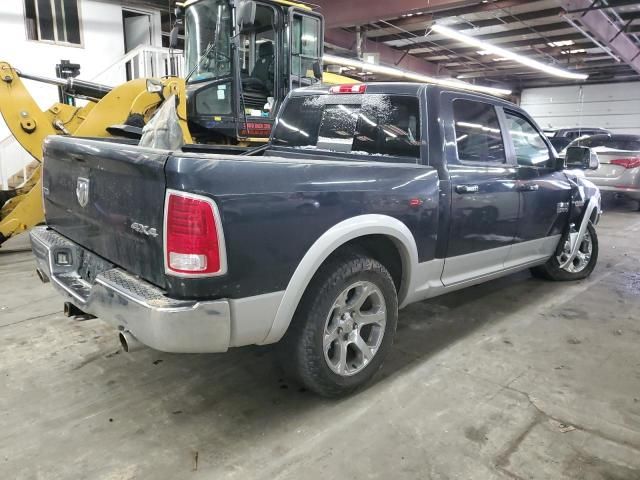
{"type": "Point", "coordinates": [131, 304]}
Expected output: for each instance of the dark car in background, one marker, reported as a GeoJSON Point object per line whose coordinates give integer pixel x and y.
{"type": "Point", "coordinates": [561, 137]}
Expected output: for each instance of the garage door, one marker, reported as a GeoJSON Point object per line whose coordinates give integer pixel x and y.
{"type": "Point", "coordinates": [615, 107]}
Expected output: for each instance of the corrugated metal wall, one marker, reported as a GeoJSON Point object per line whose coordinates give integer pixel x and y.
{"type": "Point", "coordinates": [615, 106]}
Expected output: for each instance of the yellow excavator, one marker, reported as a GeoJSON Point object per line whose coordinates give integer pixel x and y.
{"type": "Point", "coordinates": [241, 59]}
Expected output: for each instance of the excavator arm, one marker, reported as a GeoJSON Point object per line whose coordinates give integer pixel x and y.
{"type": "Point", "coordinates": [21, 208]}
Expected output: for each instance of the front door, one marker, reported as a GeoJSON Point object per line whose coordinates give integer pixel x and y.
{"type": "Point", "coordinates": [544, 192]}
{"type": "Point", "coordinates": [484, 200]}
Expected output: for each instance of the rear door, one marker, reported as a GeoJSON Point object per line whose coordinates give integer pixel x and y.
{"type": "Point", "coordinates": [544, 192]}
{"type": "Point", "coordinates": [485, 203]}
{"type": "Point", "coordinates": [109, 198]}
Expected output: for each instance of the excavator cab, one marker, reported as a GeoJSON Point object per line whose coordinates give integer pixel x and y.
{"type": "Point", "coordinates": [242, 58]}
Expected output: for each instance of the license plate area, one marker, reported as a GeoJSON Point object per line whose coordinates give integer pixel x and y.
{"type": "Point", "coordinates": [91, 265]}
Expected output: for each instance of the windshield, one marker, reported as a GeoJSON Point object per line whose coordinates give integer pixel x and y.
{"type": "Point", "coordinates": [208, 33]}
{"type": "Point", "coordinates": [370, 125]}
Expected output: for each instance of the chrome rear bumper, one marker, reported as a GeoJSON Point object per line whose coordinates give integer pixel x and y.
{"type": "Point", "coordinates": [129, 303]}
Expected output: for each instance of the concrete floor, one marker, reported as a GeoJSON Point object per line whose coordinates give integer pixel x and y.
{"type": "Point", "coordinates": [514, 379]}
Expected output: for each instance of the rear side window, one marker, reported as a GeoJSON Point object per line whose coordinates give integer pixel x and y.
{"type": "Point", "coordinates": [478, 135]}
{"type": "Point", "coordinates": [385, 127]}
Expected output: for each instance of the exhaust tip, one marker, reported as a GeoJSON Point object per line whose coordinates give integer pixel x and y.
{"type": "Point", "coordinates": [123, 342]}
{"type": "Point", "coordinates": [128, 342]}
{"type": "Point", "coordinates": [70, 310]}
{"type": "Point", "coordinates": [42, 276]}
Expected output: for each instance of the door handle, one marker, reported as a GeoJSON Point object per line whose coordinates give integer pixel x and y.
{"type": "Point", "coordinates": [467, 188]}
{"type": "Point", "coordinates": [528, 187]}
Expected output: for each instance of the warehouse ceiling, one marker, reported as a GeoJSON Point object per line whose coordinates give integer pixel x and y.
{"type": "Point", "coordinates": [553, 32]}
{"type": "Point", "coordinates": [600, 38]}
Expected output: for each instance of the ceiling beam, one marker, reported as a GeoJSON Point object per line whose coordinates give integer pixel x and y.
{"type": "Point", "coordinates": [604, 66]}
{"type": "Point", "coordinates": [536, 31]}
{"type": "Point", "coordinates": [409, 22]}
{"type": "Point", "coordinates": [604, 30]}
{"type": "Point", "coordinates": [341, 13]}
{"type": "Point", "coordinates": [387, 55]}
{"type": "Point", "coordinates": [509, 44]}
{"type": "Point", "coordinates": [504, 21]}
{"type": "Point", "coordinates": [600, 6]}
{"type": "Point", "coordinates": [538, 52]}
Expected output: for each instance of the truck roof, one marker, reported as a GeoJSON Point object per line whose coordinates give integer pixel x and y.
{"type": "Point", "coordinates": [397, 88]}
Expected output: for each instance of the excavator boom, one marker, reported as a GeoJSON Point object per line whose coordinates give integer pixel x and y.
{"type": "Point", "coordinates": [21, 208]}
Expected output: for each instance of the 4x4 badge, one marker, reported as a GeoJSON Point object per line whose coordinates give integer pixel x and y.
{"type": "Point", "coordinates": [82, 191]}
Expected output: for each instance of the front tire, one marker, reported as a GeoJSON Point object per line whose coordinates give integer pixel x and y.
{"type": "Point", "coordinates": [580, 268]}
{"type": "Point", "coordinates": [343, 327]}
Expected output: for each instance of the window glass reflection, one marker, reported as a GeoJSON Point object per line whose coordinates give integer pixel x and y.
{"type": "Point", "coordinates": [376, 125]}
{"type": "Point", "coordinates": [530, 148]}
{"type": "Point", "coordinates": [478, 136]}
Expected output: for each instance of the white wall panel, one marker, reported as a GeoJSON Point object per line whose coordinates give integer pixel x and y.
{"type": "Point", "coordinates": [615, 107]}
{"type": "Point", "coordinates": [102, 45]}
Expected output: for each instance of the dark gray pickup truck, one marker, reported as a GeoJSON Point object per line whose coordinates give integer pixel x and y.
{"type": "Point", "coordinates": [368, 198]}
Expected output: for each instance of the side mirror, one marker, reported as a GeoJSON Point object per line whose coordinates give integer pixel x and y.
{"type": "Point", "coordinates": [173, 36]}
{"type": "Point", "coordinates": [582, 158]}
{"type": "Point", "coordinates": [246, 14]}
{"type": "Point", "coordinates": [317, 70]}
{"type": "Point", "coordinates": [558, 165]}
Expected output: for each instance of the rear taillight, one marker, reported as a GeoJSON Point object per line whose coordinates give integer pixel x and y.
{"type": "Point", "coordinates": [193, 240]}
{"type": "Point", "coordinates": [355, 88]}
{"type": "Point", "coordinates": [632, 162]}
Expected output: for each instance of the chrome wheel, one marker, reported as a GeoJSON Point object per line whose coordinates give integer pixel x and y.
{"type": "Point", "coordinates": [354, 328]}
{"type": "Point", "coordinates": [582, 258]}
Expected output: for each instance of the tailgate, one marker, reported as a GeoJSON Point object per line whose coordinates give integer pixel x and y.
{"type": "Point", "coordinates": [109, 198]}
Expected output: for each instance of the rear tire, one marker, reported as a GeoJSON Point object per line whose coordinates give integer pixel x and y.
{"type": "Point", "coordinates": [580, 269]}
{"type": "Point", "coordinates": [343, 327]}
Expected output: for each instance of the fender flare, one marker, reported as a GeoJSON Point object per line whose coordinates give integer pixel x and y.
{"type": "Point", "coordinates": [331, 240]}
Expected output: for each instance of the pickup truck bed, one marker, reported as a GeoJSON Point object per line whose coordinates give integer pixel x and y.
{"type": "Point", "coordinates": [422, 200]}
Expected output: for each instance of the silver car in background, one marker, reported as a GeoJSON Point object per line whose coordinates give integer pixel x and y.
{"type": "Point", "coordinates": [619, 170]}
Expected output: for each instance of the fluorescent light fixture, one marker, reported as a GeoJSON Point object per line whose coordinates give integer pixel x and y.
{"type": "Point", "coordinates": [561, 43]}
{"type": "Point", "coordinates": [412, 76]}
{"type": "Point", "coordinates": [501, 52]}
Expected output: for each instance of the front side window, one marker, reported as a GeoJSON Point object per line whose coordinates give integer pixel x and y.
{"type": "Point", "coordinates": [381, 127]}
{"type": "Point", "coordinates": [208, 40]}
{"type": "Point", "coordinates": [53, 21]}
{"type": "Point", "coordinates": [478, 135]}
{"type": "Point", "coordinates": [530, 149]}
